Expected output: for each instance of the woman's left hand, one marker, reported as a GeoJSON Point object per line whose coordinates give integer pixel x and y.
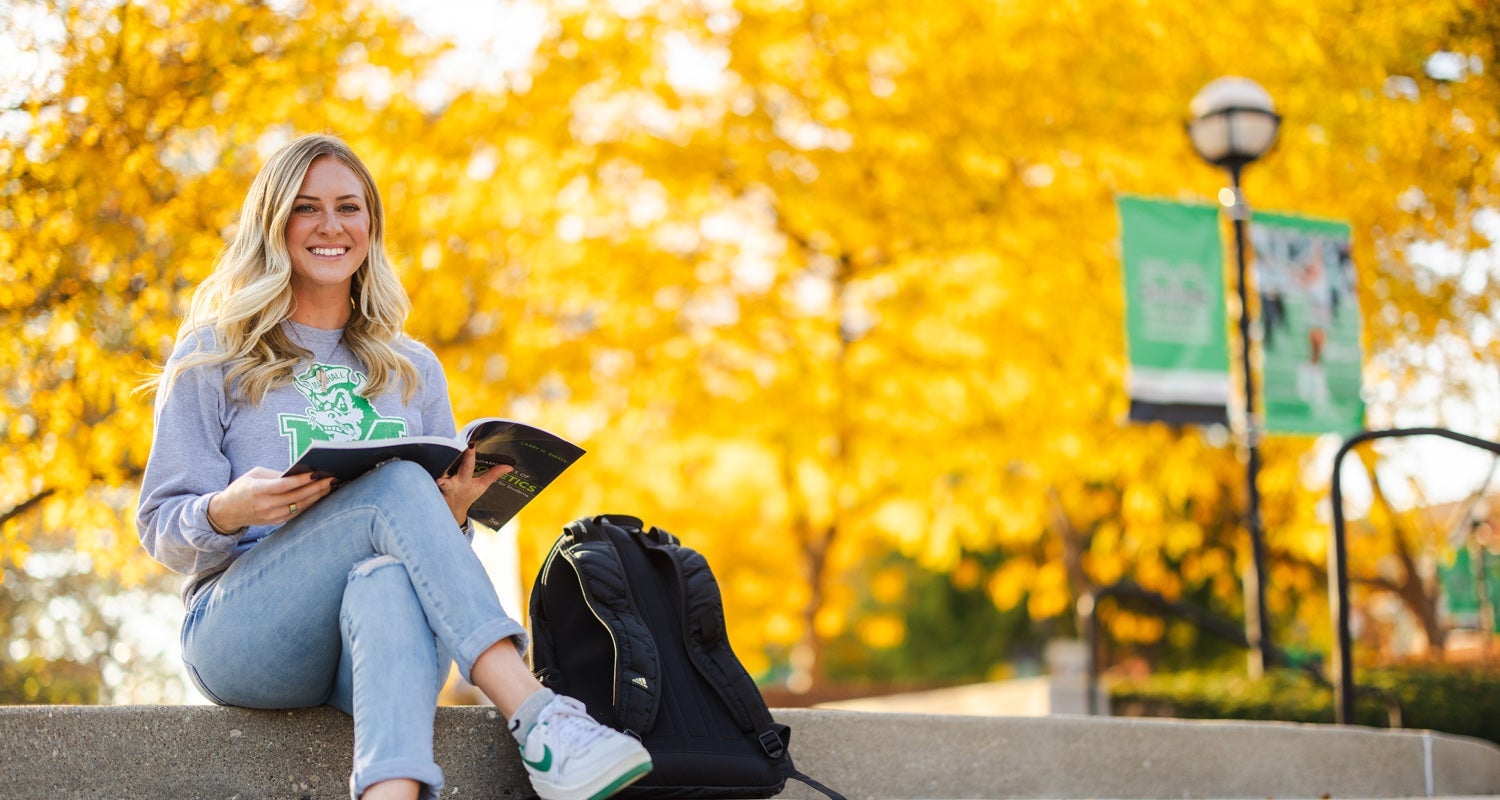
{"type": "Point", "coordinates": [463, 487]}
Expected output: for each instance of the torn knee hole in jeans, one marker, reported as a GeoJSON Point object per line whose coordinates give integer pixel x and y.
{"type": "Point", "coordinates": [369, 565]}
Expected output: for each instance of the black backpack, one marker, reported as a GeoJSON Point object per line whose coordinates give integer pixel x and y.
{"type": "Point", "coordinates": [631, 623]}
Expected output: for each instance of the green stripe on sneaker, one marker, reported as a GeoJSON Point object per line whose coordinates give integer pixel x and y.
{"type": "Point", "coordinates": [621, 782]}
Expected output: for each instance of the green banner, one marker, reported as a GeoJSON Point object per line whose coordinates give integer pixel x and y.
{"type": "Point", "coordinates": [1174, 311]}
{"type": "Point", "coordinates": [1460, 585]}
{"type": "Point", "coordinates": [1309, 325]}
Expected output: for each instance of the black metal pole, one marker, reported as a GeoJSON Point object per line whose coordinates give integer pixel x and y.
{"type": "Point", "coordinates": [1338, 558]}
{"type": "Point", "coordinates": [1258, 628]}
{"type": "Point", "coordinates": [1338, 589]}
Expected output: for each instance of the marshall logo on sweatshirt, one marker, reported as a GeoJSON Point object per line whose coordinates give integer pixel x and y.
{"type": "Point", "coordinates": [337, 412]}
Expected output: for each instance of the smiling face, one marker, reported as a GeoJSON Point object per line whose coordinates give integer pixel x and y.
{"type": "Point", "coordinates": [328, 233]}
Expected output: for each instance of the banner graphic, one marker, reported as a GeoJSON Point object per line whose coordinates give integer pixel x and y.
{"type": "Point", "coordinates": [1174, 312]}
{"type": "Point", "coordinates": [1461, 592]}
{"type": "Point", "coordinates": [1309, 325]}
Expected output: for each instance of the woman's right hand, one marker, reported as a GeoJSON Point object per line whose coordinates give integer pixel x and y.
{"type": "Point", "coordinates": [262, 497]}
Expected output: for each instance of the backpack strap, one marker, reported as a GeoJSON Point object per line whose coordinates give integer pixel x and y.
{"type": "Point", "coordinates": [707, 640]}
{"type": "Point", "coordinates": [601, 575]}
{"type": "Point", "coordinates": [708, 644]}
{"type": "Point", "coordinates": [788, 770]}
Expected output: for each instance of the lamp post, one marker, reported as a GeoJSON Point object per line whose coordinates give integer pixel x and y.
{"type": "Point", "coordinates": [1232, 124]}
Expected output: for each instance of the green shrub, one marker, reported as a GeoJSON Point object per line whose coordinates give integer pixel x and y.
{"type": "Point", "coordinates": [1462, 700]}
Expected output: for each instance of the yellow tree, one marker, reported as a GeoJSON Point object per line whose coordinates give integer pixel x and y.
{"type": "Point", "coordinates": [857, 349]}
{"type": "Point", "coordinates": [121, 168]}
{"type": "Point", "coordinates": [119, 186]}
{"type": "Point", "coordinates": [812, 281]}
{"type": "Point", "coordinates": [889, 249]}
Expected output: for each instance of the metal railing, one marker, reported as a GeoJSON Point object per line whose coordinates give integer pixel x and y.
{"type": "Point", "coordinates": [1338, 571]}
{"type": "Point", "coordinates": [1338, 589]}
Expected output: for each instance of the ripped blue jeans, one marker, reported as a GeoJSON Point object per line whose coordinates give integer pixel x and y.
{"type": "Point", "coordinates": [359, 602]}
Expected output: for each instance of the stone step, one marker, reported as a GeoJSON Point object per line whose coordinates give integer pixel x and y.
{"type": "Point", "coordinates": [67, 752]}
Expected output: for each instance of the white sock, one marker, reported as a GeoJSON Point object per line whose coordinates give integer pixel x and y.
{"type": "Point", "coordinates": [525, 716]}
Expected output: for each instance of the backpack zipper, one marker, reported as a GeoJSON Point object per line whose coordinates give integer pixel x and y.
{"type": "Point", "coordinates": [588, 602]}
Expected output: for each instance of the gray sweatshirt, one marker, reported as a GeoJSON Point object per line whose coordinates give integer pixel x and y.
{"type": "Point", "coordinates": [205, 439]}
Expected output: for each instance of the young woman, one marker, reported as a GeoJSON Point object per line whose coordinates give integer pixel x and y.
{"type": "Point", "coordinates": [299, 593]}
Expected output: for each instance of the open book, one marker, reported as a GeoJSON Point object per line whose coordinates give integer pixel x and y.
{"type": "Point", "coordinates": [536, 456]}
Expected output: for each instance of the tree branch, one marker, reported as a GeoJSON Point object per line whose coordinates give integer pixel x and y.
{"type": "Point", "coordinates": [27, 505]}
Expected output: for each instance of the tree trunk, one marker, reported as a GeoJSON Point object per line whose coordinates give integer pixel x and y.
{"type": "Point", "coordinates": [1409, 586]}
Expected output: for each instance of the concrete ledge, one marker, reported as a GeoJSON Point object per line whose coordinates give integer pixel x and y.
{"type": "Point", "coordinates": [181, 752]}
{"type": "Point", "coordinates": [66, 752]}
{"type": "Point", "coordinates": [917, 756]}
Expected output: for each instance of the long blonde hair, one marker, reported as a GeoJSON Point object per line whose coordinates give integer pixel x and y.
{"type": "Point", "coordinates": [249, 294]}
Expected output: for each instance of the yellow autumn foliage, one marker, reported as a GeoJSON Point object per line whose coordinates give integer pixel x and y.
{"type": "Point", "coordinates": [813, 282]}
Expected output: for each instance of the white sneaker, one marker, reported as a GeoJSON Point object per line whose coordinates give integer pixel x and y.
{"type": "Point", "coordinates": [569, 756]}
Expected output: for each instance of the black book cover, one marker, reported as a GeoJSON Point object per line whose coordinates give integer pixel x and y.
{"type": "Point", "coordinates": [536, 456]}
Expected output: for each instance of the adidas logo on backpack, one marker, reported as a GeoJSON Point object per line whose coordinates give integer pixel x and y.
{"type": "Point", "coordinates": [630, 622]}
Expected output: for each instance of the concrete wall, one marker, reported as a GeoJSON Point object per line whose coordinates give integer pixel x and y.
{"type": "Point", "coordinates": [66, 752]}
